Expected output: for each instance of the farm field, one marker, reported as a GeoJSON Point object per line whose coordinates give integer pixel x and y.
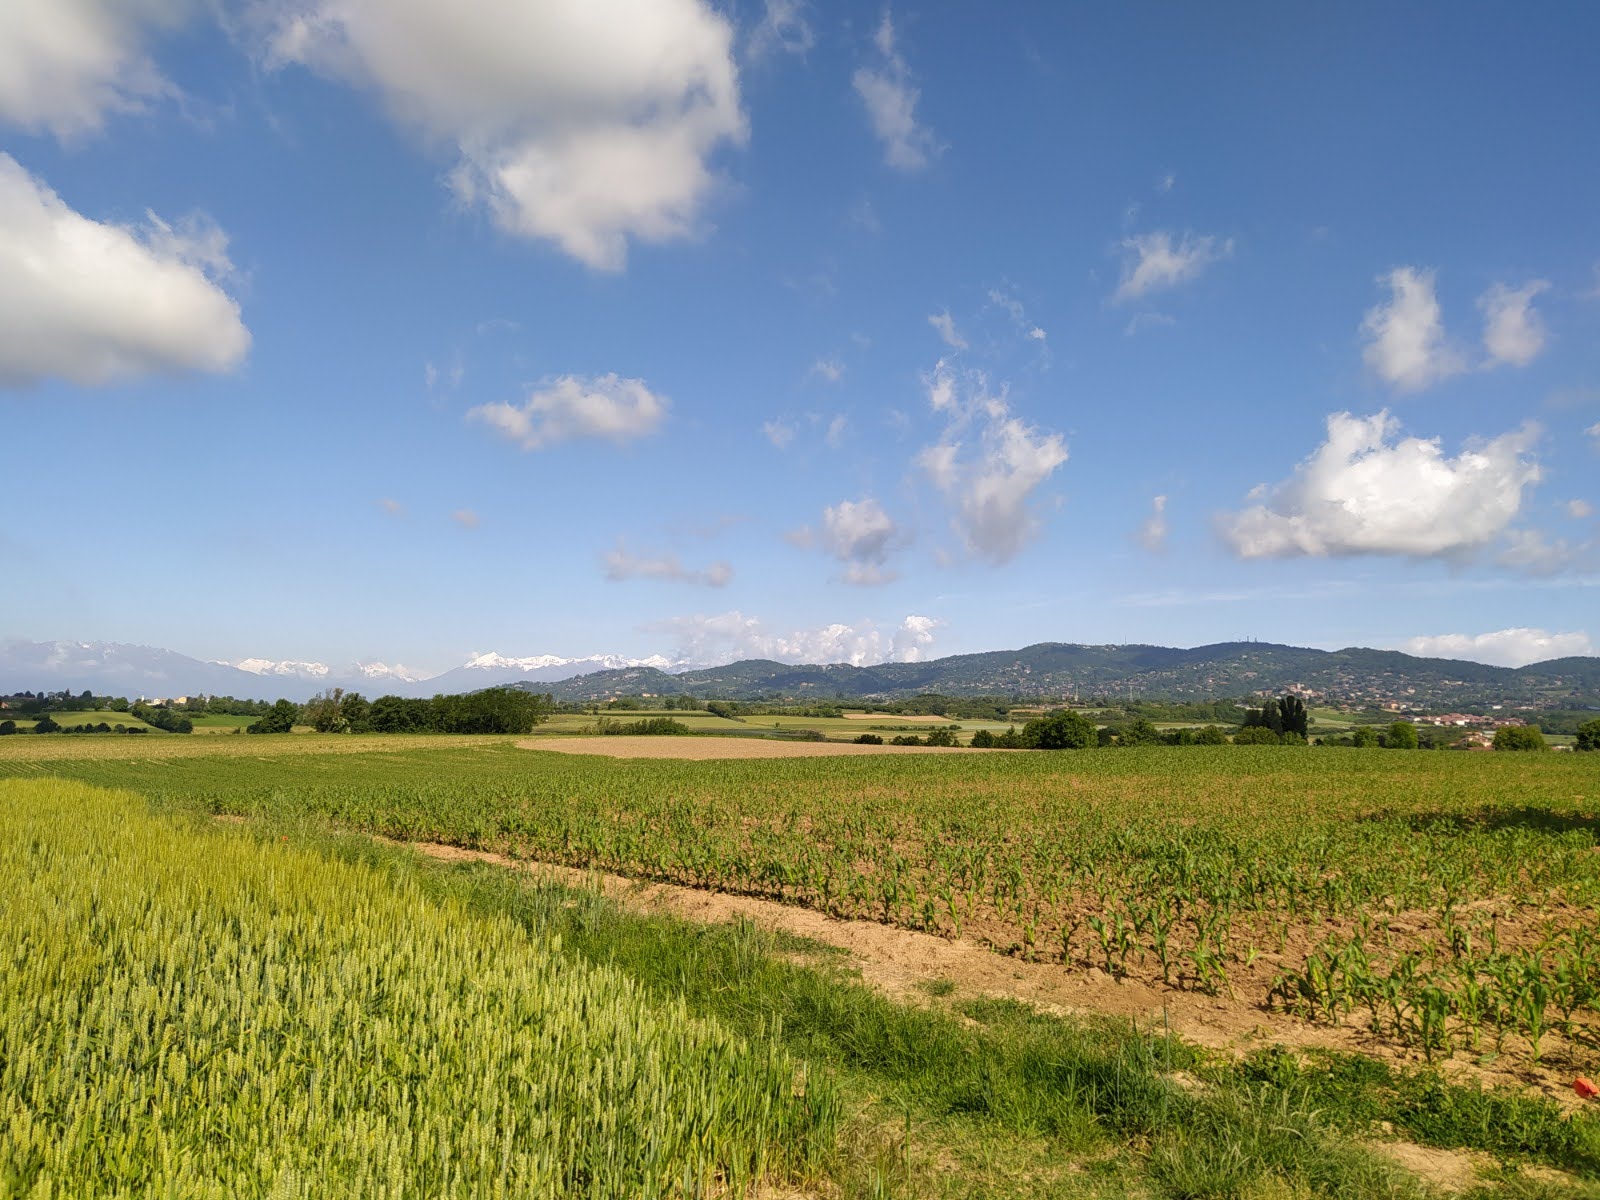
{"type": "Point", "coordinates": [1440, 906]}
{"type": "Point", "coordinates": [93, 717]}
{"type": "Point", "coordinates": [1444, 902]}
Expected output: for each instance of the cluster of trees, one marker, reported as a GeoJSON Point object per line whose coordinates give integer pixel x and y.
{"type": "Point", "coordinates": [493, 710]}
{"type": "Point", "coordinates": [1589, 735]}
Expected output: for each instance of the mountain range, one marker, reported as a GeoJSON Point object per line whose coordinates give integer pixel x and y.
{"type": "Point", "coordinates": [1353, 676]}
{"type": "Point", "coordinates": [120, 669]}
{"type": "Point", "coordinates": [1048, 669]}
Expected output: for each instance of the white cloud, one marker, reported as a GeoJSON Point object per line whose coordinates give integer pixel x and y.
{"type": "Point", "coordinates": [466, 518]}
{"type": "Point", "coordinates": [1407, 345]}
{"type": "Point", "coordinates": [1512, 331]}
{"type": "Point", "coordinates": [1153, 263]}
{"type": "Point", "coordinates": [1594, 431]}
{"type": "Point", "coordinates": [830, 370]}
{"type": "Point", "coordinates": [604, 406]}
{"type": "Point", "coordinates": [779, 433]}
{"type": "Point", "coordinates": [836, 430]}
{"type": "Point", "coordinates": [1153, 533]}
{"type": "Point", "coordinates": [92, 302]}
{"type": "Point", "coordinates": [945, 324]}
{"type": "Point", "coordinates": [1364, 492]}
{"type": "Point", "coordinates": [66, 64]}
{"type": "Point", "coordinates": [1579, 510]}
{"type": "Point", "coordinates": [1531, 550]}
{"type": "Point", "coordinates": [621, 565]}
{"type": "Point", "coordinates": [582, 122]}
{"type": "Point", "coordinates": [989, 483]}
{"type": "Point", "coordinates": [724, 637]}
{"type": "Point", "coordinates": [783, 27]}
{"type": "Point", "coordinates": [1503, 647]}
{"type": "Point", "coordinates": [891, 103]}
{"type": "Point", "coordinates": [1167, 182]}
{"type": "Point", "coordinates": [861, 535]}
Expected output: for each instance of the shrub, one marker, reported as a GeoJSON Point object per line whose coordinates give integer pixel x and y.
{"type": "Point", "coordinates": [1256, 735]}
{"type": "Point", "coordinates": [1589, 735]}
{"type": "Point", "coordinates": [868, 739]}
{"type": "Point", "coordinates": [983, 740]}
{"type": "Point", "coordinates": [905, 739]}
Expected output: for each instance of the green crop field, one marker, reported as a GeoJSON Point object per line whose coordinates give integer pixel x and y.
{"type": "Point", "coordinates": [1443, 903]}
{"type": "Point", "coordinates": [248, 1020]}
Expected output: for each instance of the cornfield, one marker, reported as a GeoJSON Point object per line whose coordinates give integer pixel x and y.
{"type": "Point", "coordinates": [198, 1012]}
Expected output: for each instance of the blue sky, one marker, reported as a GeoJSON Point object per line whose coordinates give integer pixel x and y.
{"type": "Point", "coordinates": [393, 330]}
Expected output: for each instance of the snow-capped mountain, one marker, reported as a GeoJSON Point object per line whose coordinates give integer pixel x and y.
{"type": "Point", "coordinates": [315, 672]}
{"type": "Point", "coordinates": [119, 669]}
{"type": "Point", "coordinates": [491, 669]}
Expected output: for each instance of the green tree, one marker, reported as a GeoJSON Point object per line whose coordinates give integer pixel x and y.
{"type": "Point", "coordinates": [280, 718]}
{"type": "Point", "coordinates": [1402, 735]}
{"type": "Point", "coordinates": [1520, 737]}
{"type": "Point", "coordinates": [1063, 730]}
{"type": "Point", "coordinates": [1210, 735]}
{"type": "Point", "coordinates": [983, 739]}
{"type": "Point", "coordinates": [1365, 736]}
{"type": "Point", "coordinates": [940, 737]}
{"type": "Point", "coordinates": [1589, 735]}
{"type": "Point", "coordinates": [323, 713]}
{"type": "Point", "coordinates": [1139, 733]}
{"type": "Point", "coordinates": [354, 710]}
{"type": "Point", "coordinates": [46, 724]}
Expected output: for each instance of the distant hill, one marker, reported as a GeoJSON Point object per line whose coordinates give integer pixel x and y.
{"type": "Point", "coordinates": [1352, 676]}
{"type": "Point", "coordinates": [1049, 669]}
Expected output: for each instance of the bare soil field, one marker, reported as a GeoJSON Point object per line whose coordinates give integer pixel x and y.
{"type": "Point", "coordinates": [896, 719]}
{"type": "Point", "coordinates": [706, 748]}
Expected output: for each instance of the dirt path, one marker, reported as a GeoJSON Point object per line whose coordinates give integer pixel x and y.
{"type": "Point", "coordinates": [703, 748]}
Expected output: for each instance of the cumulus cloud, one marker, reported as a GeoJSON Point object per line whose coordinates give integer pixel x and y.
{"type": "Point", "coordinates": [829, 370]}
{"type": "Point", "coordinates": [1153, 262]}
{"type": "Point", "coordinates": [1594, 431]}
{"type": "Point", "coordinates": [604, 406]}
{"type": "Point", "coordinates": [1153, 533]}
{"type": "Point", "coordinates": [1406, 343]}
{"type": "Point", "coordinates": [1503, 647]}
{"type": "Point", "coordinates": [891, 102]}
{"type": "Point", "coordinates": [988, 465]}
{"type": "Point", "coordinates": [724, 637]}
{"type": "Point", "coordinates": [837, 428]}
{"type": "Point", "coordinates": [66, 64]}
{"type": "Point", "coordinates": [860, 535]}
{"type": "Point", "coordinates": [783, 28]}
{"type": "Point", "coordinates": [945, 324]}
{"type": "Point", "coordinates": [621, 565]}
{"type": "Point", "coordinates": [1579, 510]}
{"type": "Point", "coordinates": [1364, 491]}
{"type": "Point", "coordinates": [92, 302]}
{"type": "Point", "coordinates": [581, 122]}
{"type": "Point", "coordinates": [1512, 331]}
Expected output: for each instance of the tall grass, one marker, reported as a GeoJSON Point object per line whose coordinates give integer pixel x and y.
{"type": "Point", "coordinates": [200, 1013]}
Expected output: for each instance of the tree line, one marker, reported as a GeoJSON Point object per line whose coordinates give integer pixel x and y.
{"type": "Point", "coordinates": [493, 710]}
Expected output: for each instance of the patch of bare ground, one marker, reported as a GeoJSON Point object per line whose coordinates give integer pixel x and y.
{"type": "Point", "coordinates": [897, 718]}
{"type": "Point", "coordinates": [910, 966]}
{"type": "Point", "coordinates": [1446, 1170]}
{"type": "Point", "coordinates": [701, 749]}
